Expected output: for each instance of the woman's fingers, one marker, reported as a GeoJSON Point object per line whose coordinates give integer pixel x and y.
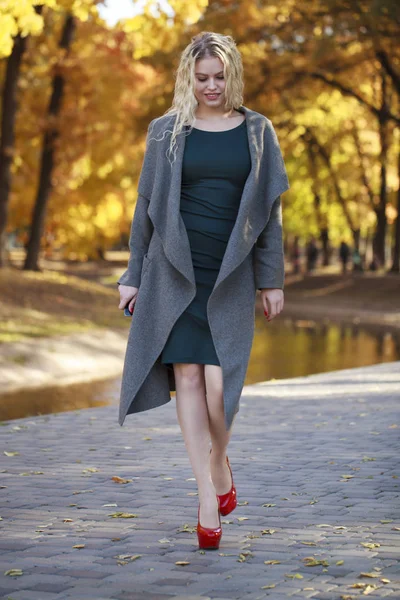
{"type": "Point", "coordinates": [124, 300]}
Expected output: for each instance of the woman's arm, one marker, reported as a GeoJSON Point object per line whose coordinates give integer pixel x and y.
{"type": "Point", "coordinates": [269, 259]}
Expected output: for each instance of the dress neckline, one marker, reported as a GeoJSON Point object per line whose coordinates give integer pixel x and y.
{"type": "Point", "coordinates": [223, 130]}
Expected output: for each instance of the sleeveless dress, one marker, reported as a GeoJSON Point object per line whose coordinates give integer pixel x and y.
{"type": "Point", "coordinates": [215, 167]}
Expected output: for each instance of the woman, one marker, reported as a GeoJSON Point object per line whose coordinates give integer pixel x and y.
{"type": "Point", "coordinates": [206, 234]}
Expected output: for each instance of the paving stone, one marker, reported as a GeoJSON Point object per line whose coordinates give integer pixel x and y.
{"type": "Point", "coordinates": [293, 439]}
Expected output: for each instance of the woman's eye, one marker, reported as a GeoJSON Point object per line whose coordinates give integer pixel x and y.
{"type": "Point", "coordinates": [219, 77]}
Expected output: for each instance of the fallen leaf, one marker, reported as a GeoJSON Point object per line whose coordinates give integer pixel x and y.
{"type": "Point", "coordinates": [182, 563]}
{"type": "Point", "coordinates": [272, 562]}
{"type": "Point", "coordinates": [370, 545]}
{"type": "Point", "coordinates": [79, 546]}
{"type": "Point", "coordinates": [268, 587]}
{"type": "Point", "coordinates": [268, 505]}
{"type": "Point", "coordinates": [369, 575]}
{"type": "Point", "coordinates": [242, 518]}
{"type": "Point", "coordinates": [120, 479]}
{"type": "Point", "coordinates": [14, 572]}
{"type": "Point", "coordinates": [10, 454]}
{"type": "Point", "coordinates": [311, 561]}
{"type": "Point", "coordinates": [268, 531]}
{"type": "Point", "coordinates": [309, 543]}
{"type": "Point", "coordinates": [122, 515]}
{"type": "Point", "coordinates": [294, 575]}
{"type": "Point", "coordinates": [340, 562]}
{"type": "Point", "coordinates": [128, 557]}
{"type": "Point", "coordinates": [243, 556]}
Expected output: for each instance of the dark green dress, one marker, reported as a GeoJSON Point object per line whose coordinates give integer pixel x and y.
{"type": "Point", "coordinates": [215, 167]}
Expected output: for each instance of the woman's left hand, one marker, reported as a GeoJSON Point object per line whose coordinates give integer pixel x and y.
{"type": "Point", "coordinates": [272, 300]}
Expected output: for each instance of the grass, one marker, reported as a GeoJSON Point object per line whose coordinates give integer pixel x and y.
{"type": "Point", "coordinates": [48, 303]}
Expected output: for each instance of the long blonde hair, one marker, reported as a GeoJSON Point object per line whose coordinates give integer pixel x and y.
{"type": "Point", "coordinates": [184, 104]}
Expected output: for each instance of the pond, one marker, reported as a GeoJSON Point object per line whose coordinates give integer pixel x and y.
{"type": "Point", "coordinates": [282, 348]}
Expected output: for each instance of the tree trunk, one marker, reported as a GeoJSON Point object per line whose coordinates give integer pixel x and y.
{"type": "Point", "coordinates": [380, 209]}
{"type": "Point", "coordinates": [47, 158]}
{"type": "Point", "coordinates": [395, 268]}
{"type": "Point", "coordinates": [7, 144]}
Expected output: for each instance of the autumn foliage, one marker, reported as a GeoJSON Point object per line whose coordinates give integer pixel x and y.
{"type": "Point", "coordinates": [75, 111]}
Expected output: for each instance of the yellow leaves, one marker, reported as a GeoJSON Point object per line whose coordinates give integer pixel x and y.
{"type": "Point", "coordinates": [366, 587]}
{"type": "Point", "coordinates": [272, 562]}
{"type": "Point", "coordinates": [309, 543]}
{"type": "Point", "coordinates": [370, 545]}
{"type": "Point", "coordinates": [294, 575]}
{"type": "Point", "coordinates": [242, 518]}
{"type": "Point", "coordinates": [243, 556]}
{"type": "Point", "coordinates": [14, 572]}
{"type": "Point", "coordinates": [268, 587]}
{"type": "Point", "coordinates": [371, 575]}
{"type": "Point", "coordinates": [268, 531]}
{"type": "Point", "coordinates": [311, 561]}
{"type": "Point", "coordinates": [124, 559]}
{"type": "Point", "coordinates": [10, 453]}
{"type": "Point", "coordinates": [79, 546]}
{"type": "Point", "coordinates": [120, 479]}
{"type": "Point", "coordinates": [122, 515]}
{"type": "Point", "coordinates": [182, 563]}
{"type": "Point", "coordinates": [186, 528]}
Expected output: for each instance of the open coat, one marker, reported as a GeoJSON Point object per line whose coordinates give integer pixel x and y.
{"type": "Point", "coordinates": [160, 265]}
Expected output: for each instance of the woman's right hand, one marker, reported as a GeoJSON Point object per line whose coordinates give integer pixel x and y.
{"type": "Point", "coordinates": [127, 294]}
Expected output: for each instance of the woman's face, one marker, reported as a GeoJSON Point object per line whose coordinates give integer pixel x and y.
{"type": "Point", "coordinates": [210, 82]}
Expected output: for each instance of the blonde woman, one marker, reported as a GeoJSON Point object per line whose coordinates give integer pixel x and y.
{"type": "Point", "coordinates": [206, 234]}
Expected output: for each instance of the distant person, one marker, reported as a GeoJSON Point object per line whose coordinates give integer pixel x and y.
{"type": "Point", "coordinates": [295, 256]}
{"type": "Point", "coordinates": [344, 255]}
{"type": "Point", "coordinates": [312, 255]}
{"type": "Point", "coordinates": [357, 261]}
{"type": "Point", "coordinates": [212, 173]}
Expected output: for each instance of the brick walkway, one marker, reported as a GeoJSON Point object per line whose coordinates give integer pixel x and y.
{"type": "Point", "coordinates": [316, 466]}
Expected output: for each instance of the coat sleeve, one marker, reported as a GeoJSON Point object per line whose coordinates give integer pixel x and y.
{"type": "Point", "coordinates": [141, 227]}
{"type": "Point", "coordinates": [268, 254]}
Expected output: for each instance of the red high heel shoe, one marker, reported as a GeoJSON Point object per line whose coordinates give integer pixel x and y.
{"type": "Point", "coordinates": [208, 538]}
{"type": "Point", "coordinates": [228, 501]}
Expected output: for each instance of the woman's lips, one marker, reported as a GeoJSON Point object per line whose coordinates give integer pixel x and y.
{"type": "Point", "coordinates": [212, 96]}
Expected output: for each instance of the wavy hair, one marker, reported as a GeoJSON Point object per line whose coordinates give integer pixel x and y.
{"type": "Point", "coordinates": [203, 45]}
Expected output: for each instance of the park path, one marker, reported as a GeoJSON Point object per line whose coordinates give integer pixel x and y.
{"type": "Point", "coordinates": [316, 465]}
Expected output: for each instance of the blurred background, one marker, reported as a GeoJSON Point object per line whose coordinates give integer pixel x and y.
{"type": "Point", "coordinates": [81, 80]}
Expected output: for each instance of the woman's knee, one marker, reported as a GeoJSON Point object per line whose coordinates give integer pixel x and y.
{"type": "Point", "coordinates": [189, 375]}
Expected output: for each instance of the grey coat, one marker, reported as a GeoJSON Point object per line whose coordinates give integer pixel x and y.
{"type": "Point", "coordinates": [160, 265]}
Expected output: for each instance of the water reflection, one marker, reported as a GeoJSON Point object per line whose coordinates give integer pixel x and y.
{"type": "Point", "coordinates": [42, 401]}
{"type": "Point", "coordinates": [295, 347]}
{"type": "Point", "coordinates": [282, 348]}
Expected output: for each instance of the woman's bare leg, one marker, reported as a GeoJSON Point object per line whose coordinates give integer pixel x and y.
{"type": "Point", "coordinates": [191, 407]}
{"type": "Point", "coordinates": [219, 435]}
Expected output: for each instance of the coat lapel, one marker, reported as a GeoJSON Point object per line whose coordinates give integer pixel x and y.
{"type": "Point", "coordinates": [265, 181]}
